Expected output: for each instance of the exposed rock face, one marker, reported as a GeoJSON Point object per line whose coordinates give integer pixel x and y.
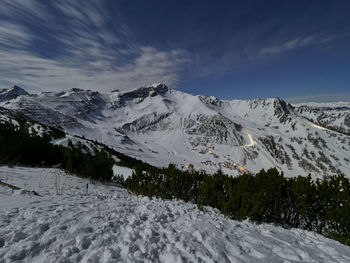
{"type": "Point", "coordinates": [206, 130]}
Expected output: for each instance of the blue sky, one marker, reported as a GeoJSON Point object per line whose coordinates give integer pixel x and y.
{"type": "Point", "coordinates": [228, 49]}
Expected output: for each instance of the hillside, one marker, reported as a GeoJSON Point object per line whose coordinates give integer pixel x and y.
{"type": "Point", "coordinates": [110, 225]}
{"type": "Point", "coordinates": [160, 125]}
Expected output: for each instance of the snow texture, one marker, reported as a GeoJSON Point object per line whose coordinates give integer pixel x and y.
{"type": "Point", "coordinates": [122, 171]}
{"type": "Point", "coordinates": [108, 224]}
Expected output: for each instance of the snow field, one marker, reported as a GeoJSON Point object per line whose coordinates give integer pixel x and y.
{"type": "Point", "coordinates": [124, 171]}
{"type": "Point", "coordinates": [110, 225]}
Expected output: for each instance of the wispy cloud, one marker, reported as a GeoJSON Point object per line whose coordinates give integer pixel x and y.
{"type": "Point", "coordinates": [301, 42]}
{"type": "Point", "coordinates": [83, 50]}
{"type": "Point", "coordinates": [291, 44]}
{"type": "Point", "coordinates": [343, 97]}
{"type": "Point", "coordinates": [13, 36]}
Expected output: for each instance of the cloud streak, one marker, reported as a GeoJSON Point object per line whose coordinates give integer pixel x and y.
{"type": "Point", "coordinates": [291, 44]}
{"type": "Point", "coordinates": [343, 97]}
{"type": "Point", "coordinates": [79, 49]}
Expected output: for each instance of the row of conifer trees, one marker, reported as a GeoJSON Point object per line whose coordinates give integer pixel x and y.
{"type": "Point", "coordinates": [19, 146]}
{"type": "Point", "coordinates": [322, 205]}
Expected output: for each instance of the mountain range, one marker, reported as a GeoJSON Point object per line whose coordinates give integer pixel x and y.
{"type": "Point", "coordinates": [160, 125]}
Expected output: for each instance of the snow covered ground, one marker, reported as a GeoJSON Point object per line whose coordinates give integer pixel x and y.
{"type": "Point", "coordinates": [123, 171]}
{"type": "Point", "coordinates": [108, 224]}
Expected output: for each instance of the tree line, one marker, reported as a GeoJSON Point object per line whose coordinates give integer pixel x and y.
{"type": "Point", "coordinates": [322, 206]}
{"type": "Point", "coordinates": [19, 146]}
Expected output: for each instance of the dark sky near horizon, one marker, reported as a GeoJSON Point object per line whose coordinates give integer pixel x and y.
{"type": "Point", "coordinates": [228, 49]}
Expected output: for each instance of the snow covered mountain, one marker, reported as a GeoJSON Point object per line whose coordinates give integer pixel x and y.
{"type": "Point", "coordinates": [8, 94]}
{"type": "Point", "coordinates": [335, 116]}
{"type": "Point", "coordinates": [161, 126]}
{"type": "Point", "coordinates": [17, 119]}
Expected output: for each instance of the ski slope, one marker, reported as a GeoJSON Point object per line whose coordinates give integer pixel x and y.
{"type": "Point", "coordinates": [313, 125]}
{"type": "Point", "coordinates": [251, 142]}
{"type": "Point", "coordinates": [108, 224]}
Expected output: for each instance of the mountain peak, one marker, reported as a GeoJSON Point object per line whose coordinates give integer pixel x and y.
{"type": "Point", "coordinates": [155, 89]}
{"type": "Point", "coordinates": [283, 105]}
{"type": "Point", "coordinates": [14, 92]}
{"type": "Point", "coordinates": [145, 91]}
{"type": "Point", "coordinates": [77, 90]}
{"type": "Point", "coordinates": [18, 90]}
{"type": "Point", "coordinates": [282, 109]}
{"type": "Point", "coordinates": [82, 91]}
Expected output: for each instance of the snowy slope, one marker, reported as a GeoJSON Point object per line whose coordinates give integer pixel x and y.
{"type": "Point", "coordinates": [110, 225]}
{"type": "Point", "coordinates": [161, 126]}
{"type": "Point", "coordinates": [335, 115]}
{"type": "Point", "coordinates": [12, 117]}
